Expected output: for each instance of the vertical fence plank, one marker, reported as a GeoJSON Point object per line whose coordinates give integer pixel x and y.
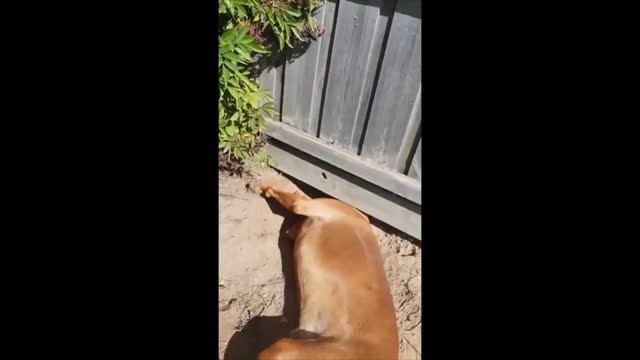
{"type": "Point", "coordinates": [411, 136]}
{"type": "Point", "coordinates": [271, 79]}
{"type": "Point", "coordinates": [415, 171]}
{"type": "Point", "coordinates": [304, 76]}
{"type": "Point", "coordinates": [399, 82]}
{"type": "Point", "coordinates": [360, 30]}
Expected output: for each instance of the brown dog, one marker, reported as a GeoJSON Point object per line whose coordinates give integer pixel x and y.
{"type": "Point", "coordinates": [346, 309]}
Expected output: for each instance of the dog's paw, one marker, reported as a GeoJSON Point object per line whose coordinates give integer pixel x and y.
{"type": "Point", "coordinates": [260, 187]}
{"type": "Point", "coordinates": [256, 187]}
{"type": "Point", "coordinates": [275, 182]}
{"type": "Point", "coordinates": [263, 189]}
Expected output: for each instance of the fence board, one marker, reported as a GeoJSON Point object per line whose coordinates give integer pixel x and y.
{"type": "Point", "coordinates": [392, 181]}
{"type": "Point", "coordinates": [305, 75]}
{"type": "Point", "coordinates": [398, 85]}
{"type": "Point", "coordinates": [360, 30]}
{"type": "Point", "coordinates": [415, 171]}
{"type": "Point", "coordinates": [340, 184]}
{"type": "Point", "coordinates": [411, 136]}
{"type": "Point", "coordinates": [271, 79]}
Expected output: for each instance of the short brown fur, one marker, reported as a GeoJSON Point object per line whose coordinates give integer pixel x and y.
{"type": "Point", "coordinates": [343, 291]}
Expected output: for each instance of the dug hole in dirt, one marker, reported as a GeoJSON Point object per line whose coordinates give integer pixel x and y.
{"type": "Point", "coordinates": [257, 302]}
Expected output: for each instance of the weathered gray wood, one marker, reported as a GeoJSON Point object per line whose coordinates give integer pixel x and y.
{"type": "Point", "coordinates": [397, 88]}
{"type": "Point", "coordinates": [392, 181]}
{"type": "Point", "coordinates": [356, 50]}
{"type": "Point", "coordinates": [368, 198]}
{"type": "Point", "coordinates": [325, 44]}
{"type": "Point", "coordinates": [304, 77]}
{"type": "Point", "coordinates": [411, 136]}
{"type": "Point", "coordinates": [271, 79]}
{"type": "Point", "coordinates": [415, 171]}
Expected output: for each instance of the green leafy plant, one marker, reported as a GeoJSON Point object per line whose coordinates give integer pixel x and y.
{"type": "Point", "coordinates": [243, 105]}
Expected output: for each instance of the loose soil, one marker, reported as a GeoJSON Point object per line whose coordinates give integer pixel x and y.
{"type": "Point", "coordinates": [257, 304]}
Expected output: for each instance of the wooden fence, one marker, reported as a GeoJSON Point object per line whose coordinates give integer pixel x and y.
{"type": "Point", "coordinates": [350, 109]}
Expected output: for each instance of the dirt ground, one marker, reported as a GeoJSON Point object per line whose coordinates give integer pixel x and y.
{"type": "Point", "coordinates": [257, 303]}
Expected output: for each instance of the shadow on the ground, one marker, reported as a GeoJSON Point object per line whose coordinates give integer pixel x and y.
{"type": "Point", "coordinates": [262, 331]}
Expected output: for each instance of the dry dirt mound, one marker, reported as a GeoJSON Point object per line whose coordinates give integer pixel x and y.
{"type": "Point", "coordinates": [256, 294]}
